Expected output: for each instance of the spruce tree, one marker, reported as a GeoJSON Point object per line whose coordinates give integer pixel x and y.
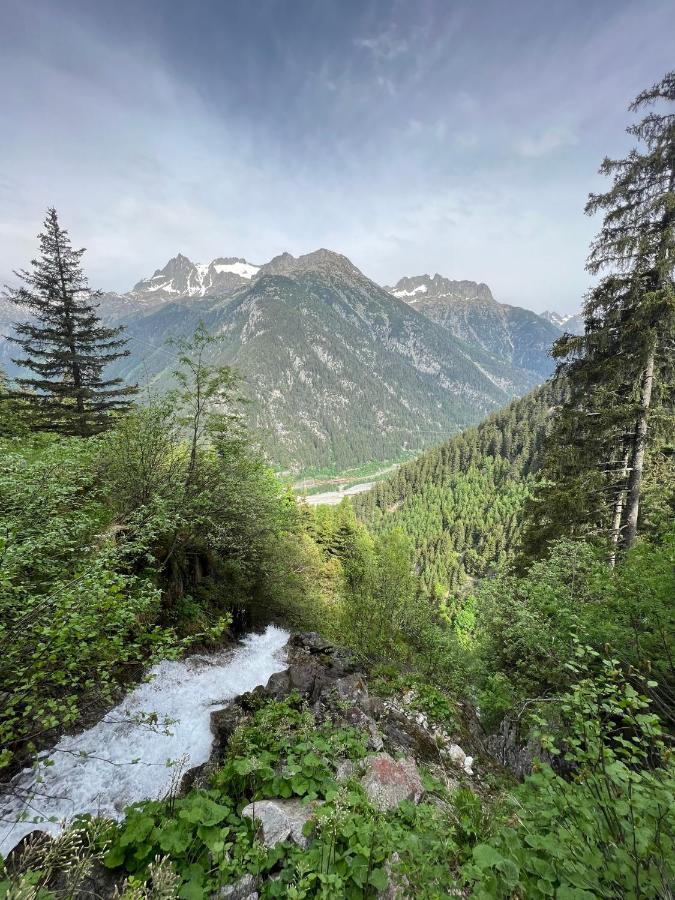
{"type": "Point", "coordinates": [620, 371]}
{"type": "Point", "coordinates": [65, 346]}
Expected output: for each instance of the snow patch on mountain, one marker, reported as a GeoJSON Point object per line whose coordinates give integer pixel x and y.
{"type": "Point", "coordinates": [419, 289]}
{"type": "Point", "coordinates": [243, 269]}
{"type": "Point", "coordinates": [181, 277]}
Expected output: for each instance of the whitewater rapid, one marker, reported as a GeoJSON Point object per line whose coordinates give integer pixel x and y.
{"type": "Point", "coordinates": [125, 758]}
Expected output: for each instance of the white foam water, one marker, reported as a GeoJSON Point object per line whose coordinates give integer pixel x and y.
{"type": "Point", "coordinates": [123, 758]}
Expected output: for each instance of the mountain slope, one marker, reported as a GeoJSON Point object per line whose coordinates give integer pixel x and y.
{"type": "Point", "coordinates": [572, 324]}
{"type": "Point", "coordinates": [340, 373]}
{"type": "Point", "coordinates": [470, 312]}
{"type": "Point", "coordinates": [461, 503]}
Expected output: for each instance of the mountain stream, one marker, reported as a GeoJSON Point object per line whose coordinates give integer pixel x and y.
{"type": "Point", "coordinates": [141, 748]}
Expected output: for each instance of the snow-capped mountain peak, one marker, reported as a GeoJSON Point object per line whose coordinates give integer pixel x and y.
{"type": "Point", "coordinates": [180, 277]}
{"type": "Point", "coordinates": [555, 317]}
{"type": "Point", "coordinates": [572, 322]}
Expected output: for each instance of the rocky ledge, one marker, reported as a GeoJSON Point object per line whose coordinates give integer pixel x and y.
{"type": "Point", "coordinates": [335, 688]}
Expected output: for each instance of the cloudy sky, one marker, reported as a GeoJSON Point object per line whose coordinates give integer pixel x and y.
{"type": "Point", "coordinates": [414, 136]}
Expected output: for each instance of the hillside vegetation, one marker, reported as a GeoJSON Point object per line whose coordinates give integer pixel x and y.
{"type": "Point", "coordinates": [461, 504]}
{"type": "Point", "coordinates": [338, 371]}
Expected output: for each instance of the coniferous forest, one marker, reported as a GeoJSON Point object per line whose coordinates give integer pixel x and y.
{"type": "Point", "coordinates": [477, 696]}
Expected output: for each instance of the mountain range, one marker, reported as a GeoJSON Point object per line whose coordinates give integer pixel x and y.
{"type": "Point", "coordinates": [470, 312]}
{"type": "Point", "coordinates": [340, 370]}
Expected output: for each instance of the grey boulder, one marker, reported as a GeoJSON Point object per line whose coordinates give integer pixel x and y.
{"type": "Point", "coordinates": [280, 820]}
{"type": "Point", "coordinates": [388, 781]}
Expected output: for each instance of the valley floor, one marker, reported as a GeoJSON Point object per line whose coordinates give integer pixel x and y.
{"type": "Point", "coordinates": [332, 490]}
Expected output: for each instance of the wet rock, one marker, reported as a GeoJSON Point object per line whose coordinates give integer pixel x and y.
{"type": "Point", "coordinates": [224, 722]}
{"type": "Point", "coordinates": [280, 820]}
{"type": "Point", "coordinates": [307, 674]}
{"type": "Point", "coordinates": [278, 686]}
{"type": "Point", "coordinates": [252, 700]}
{"type": "Point", "coordinates": [311, 641]}
{"type": "Point", "coordinates": [388, 781]}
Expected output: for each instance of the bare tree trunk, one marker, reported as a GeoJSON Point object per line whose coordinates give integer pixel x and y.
{"type": "Point", "coordinates": [639, 446]}
{"type": "Point", "coordinates": [617, 514]}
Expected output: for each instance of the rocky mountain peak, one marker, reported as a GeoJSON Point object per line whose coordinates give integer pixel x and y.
{"type": "Point", "coordinates": [321, 260]}
{"type": "Point", "coordinates": [574, 324]}
{"type": "Point", "coordinates": [422, 287]}
{"type": "Point", "coordinates": [180, 277]}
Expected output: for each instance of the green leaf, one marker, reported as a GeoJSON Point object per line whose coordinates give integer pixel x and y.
{"type": "Point", "coordinates": [174, 838]}
{"type": "Point", "coordinates": [486, 856]}
{"type": "Point", "coordinates": [379, 879]}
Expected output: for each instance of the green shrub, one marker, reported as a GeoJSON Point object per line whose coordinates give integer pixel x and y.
{"type": "Point", "coordinates": [606, 829]}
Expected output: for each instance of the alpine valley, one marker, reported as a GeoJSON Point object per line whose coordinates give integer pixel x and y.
{"type": "Point", "coordinates": [340, 371]}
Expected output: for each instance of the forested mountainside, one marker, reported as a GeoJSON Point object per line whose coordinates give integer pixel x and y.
{"type": "Point", "coordinates": [461, 504]}
{"type": "Point", "coordinates": [471, 313]}
{"type": "Point", "coordinates": [338, 371]}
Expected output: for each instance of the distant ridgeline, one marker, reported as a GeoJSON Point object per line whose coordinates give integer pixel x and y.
{"type": "Point", "coordinates": [341, 371]}
{"type": "Point", "coordinates": [461, 503]}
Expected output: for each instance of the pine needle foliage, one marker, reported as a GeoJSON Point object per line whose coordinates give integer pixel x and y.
{"type": "Point", "coordinates": [616, 430]}
{"type": "Point", "coordinates": [65, 346]}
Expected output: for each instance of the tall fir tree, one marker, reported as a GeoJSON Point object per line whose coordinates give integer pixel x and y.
{"type": "Point", "coordinates": [65, 346]}
{"type": "Point", "coordinates": [621, 371]}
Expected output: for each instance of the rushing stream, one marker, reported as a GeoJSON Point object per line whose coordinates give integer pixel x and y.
{"type": "Point", "coordinates": [124, 758]}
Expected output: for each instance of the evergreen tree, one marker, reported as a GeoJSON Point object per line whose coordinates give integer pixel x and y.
{"type": "Point", "coordinates": [620, 371]}
{"type": "Point", "coordinates": [461, 504]}
{"type": "Point", "coordinates": [65, 345]}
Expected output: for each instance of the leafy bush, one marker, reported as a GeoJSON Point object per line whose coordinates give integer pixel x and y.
{"type": "Point", "coordinates": [605, 830]}
{"type": "Point", "coordinates": [526, 624]}
{"type": "Point", "coordinates": [71, 614]}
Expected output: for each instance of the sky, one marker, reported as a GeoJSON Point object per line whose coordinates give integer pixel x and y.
{"type": "Point", "coordinates": [414, 136]}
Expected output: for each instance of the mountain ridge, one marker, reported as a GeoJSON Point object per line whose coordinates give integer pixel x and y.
{"type": "Point", "coordinates": [340, 373]}
{"type": "Point", "coordinates": [470, 312]}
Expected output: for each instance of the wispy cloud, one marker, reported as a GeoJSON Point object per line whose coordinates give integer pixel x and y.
{"type": "Point", "coordinates": [551, 140]}
{"type": "Point", "coordinates": [383, 129]}
{"type": "Point", "coordinates": [387, 45]}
